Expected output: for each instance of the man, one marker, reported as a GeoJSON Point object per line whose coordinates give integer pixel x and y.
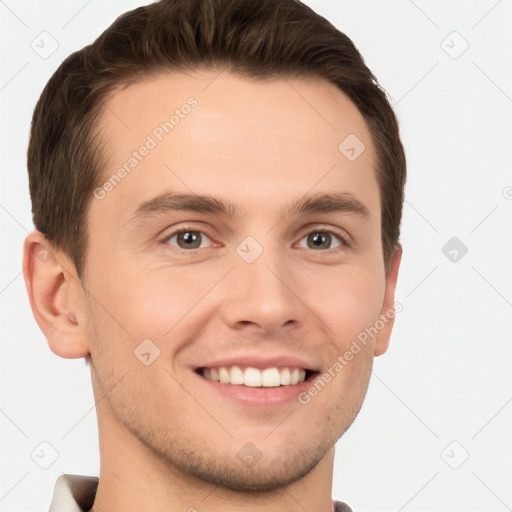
{"type": "Point", "coordinates": [217, 188]}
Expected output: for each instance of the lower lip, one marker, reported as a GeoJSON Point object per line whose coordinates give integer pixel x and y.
{"type": "Point", "coordinates": [259, 396]}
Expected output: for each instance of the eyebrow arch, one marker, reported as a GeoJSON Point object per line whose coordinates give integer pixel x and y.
{"type": "Point", "coordinates": [340, 202]}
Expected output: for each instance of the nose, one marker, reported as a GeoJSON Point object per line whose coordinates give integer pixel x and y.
{"type": "Point", "coordinates": [263, 295]}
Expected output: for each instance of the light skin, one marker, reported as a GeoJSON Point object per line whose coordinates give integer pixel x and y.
{"type": "Point", "coordinates": [168, 439]}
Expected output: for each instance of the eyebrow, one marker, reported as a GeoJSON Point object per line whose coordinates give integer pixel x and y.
{"type": "Point", "coordinates": [334, 202]}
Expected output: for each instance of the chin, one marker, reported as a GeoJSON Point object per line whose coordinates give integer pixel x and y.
{"type": "Point", "coordinates": [266, 474]}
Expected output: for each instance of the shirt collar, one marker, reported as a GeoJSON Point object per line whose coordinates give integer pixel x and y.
{"type": "Point", "coordinates": [74, 493]}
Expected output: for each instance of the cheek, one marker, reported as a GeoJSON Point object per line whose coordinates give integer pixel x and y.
{"type": "Point", "coordinates": [349, 301]}
{"type": "Point", "coordinates": [144, 303]}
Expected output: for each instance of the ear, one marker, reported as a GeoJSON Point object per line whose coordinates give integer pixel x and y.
{"type": "Point", "coordinates": [56, 296]}
{"type": "Point", "coordinates": [388, 311]}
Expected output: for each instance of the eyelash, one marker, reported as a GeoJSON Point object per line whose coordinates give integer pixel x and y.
{"type": "Point", "coordinates": [320, 229]}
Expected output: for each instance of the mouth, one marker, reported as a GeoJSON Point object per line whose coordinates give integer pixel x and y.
{"type": "Point", "coordinates": [248, 376]}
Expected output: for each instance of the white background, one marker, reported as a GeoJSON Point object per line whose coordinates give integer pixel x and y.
{"type": "Point", "coordinates": [446, 376]}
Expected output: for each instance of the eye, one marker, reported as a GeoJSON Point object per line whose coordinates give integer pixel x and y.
{"type": "Point", "coordinates": [322, 239]}
{"type": "Point", "coordinates": [187, 239]}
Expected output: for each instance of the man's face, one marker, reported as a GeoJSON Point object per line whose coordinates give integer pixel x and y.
{"type": "Point", "coordinates": [266, 287]}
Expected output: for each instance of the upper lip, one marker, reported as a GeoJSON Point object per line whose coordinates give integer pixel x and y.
{"type": "Point", "coordinates": [259, 361]}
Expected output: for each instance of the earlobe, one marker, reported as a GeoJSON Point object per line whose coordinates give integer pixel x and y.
{"type": "Point", "coordinates": [55, 296]}
{"type": "Point", "coordinates": [388, 312]}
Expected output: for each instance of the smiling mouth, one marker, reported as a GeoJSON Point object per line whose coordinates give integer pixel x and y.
{"type": "Point", "coordinates": [257, 378]}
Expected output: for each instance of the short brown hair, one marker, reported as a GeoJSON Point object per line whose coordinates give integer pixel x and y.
{"type": "Point", "coordinates": [258, 39]}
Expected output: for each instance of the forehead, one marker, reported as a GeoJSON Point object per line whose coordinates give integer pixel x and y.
{"type": "Point", "coordinates": [224, 134]}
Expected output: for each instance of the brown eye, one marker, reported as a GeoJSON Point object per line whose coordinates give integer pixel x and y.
{"type": "Point", "coordinates": [322, 239]}
{"type": "Point", "coordinates": [186, 239]}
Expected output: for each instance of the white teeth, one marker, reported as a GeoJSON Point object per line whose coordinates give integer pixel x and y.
{"type": "Point", "coordinates": [285, 376]}
{"type": "Point", "coordinates": [255, 378]}
{"type": "Point", "coordinates": [223, 375]}
{"type": "Point", "coordinates": [270, 378]}
{"type": "Point", "coordinates": [252, 377]}
{"type": "Point", "coordinates": [236, 375]}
